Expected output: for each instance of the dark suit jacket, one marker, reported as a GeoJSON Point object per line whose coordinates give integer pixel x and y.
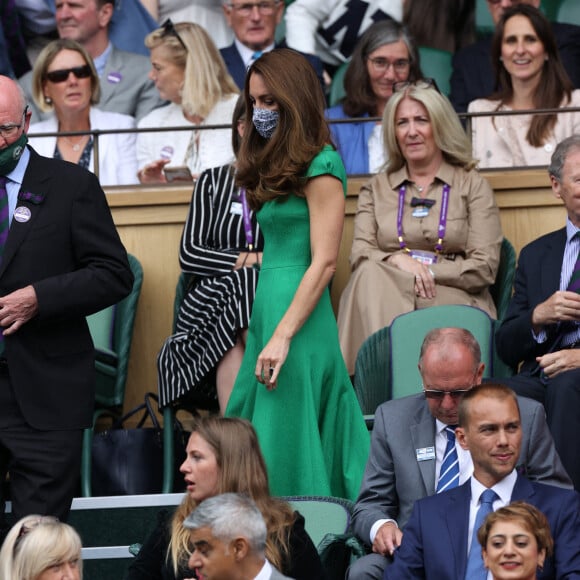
{"type": "Point", "coordinates": [537, 278]}
{"type": "Point", "coordinates": [473, 75]}
{"type": "Point", "coordinates": [70, 252]}
{"type": "Point", "coordinates": [434, 544]}
{"type": "Point", "coordinates": [237, 69]}
{"type": "Point", "coordinates": [394, 480]}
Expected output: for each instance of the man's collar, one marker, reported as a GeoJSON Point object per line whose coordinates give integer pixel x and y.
{"type": "Point", "coordinates": [247, 53]}
{"type": "Point", "coordinates": [101, 60]}
{"type": "Point", "coordinates": [266, 572]}
{"type": "Point", "coordinates": [17, 174]}
{"type": "Point", "coordinates": [504, 488]}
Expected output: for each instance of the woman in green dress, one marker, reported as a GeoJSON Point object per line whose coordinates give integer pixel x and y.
{"type": "Point", "coordinates": [293, 384]}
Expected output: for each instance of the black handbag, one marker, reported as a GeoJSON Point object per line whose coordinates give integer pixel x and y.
{"type": "Point", "coordinates": [130, 461]}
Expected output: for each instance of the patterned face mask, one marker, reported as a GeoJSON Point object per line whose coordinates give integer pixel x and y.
{"type": "Point", "coordinates": [265, 121]}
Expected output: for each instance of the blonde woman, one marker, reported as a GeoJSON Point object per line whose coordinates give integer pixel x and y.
{"type": "Point", "coordinates": [189, 72]}
{"type": "Point", "coordinates": [223, 456]}
{"type": "Point", "coordinates": [41, 548]}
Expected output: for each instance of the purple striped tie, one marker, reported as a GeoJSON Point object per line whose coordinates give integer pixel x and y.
{"type": "Point", "coordinates": [574, 284]}
{"type": "Point", "coordinates": [4, 218]}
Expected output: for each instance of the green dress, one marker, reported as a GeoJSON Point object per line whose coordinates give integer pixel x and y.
{"type": "Point", "coordinates": [311, 429]}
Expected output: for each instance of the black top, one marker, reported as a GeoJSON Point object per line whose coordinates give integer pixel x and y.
{"type": "Point", "coordinates": [152, 564]}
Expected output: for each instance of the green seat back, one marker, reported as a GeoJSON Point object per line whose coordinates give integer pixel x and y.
{"type": "Point", "coordinates": [371, 375]}
{"type": "Point", "coordinates": [483, 22]}
{"type": "Point", "coordinates": [337, 86]}
{"type": "Point", "coordinates": [101, 328]}
{"type": "Point", "coordinates": [436, 64]}
{"type": "Point", "coordinates": [501, 289]}
{"type": "Point", "coordinates": [569, 12]}
{"type": "Point", "coordinates": [323, 515]}
{"type": "Point", "coordinates": [407, 332]}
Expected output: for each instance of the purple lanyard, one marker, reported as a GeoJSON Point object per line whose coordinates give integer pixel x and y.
{"type": "Point", "coordinates": [442, 218]}
{"type": "Point", "coordinates": [247, 220]}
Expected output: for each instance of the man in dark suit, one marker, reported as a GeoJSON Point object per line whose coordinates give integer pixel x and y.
{"type": "Point", "coordinates": [254, 25]}
{"type": "Point", "coordinates": [440, 537]}
{"type": "Point", "coordinates": [541, 325]}
{"type": "Point", "coordinates": [125, 85]}
{"type": "Point", "coordinates": [61, 260]}
{"type": "Point", "coordinates": [473, 75]}
{"type": "Point", "coordinates": [409, 442]}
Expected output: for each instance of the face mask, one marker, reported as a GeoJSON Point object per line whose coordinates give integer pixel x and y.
{"type": "Point", "coordinates": [265, 121]}
{"type": "Point", "coordinates": [10, 155]}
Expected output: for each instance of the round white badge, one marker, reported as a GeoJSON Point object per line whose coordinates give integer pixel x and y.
{"type": "Point", "coordinates": [22, 214]}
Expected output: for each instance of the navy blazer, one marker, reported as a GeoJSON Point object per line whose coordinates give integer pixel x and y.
{"type": "Point", "coordinates": [473, 75]}
{"type": "Point", "coordinates": [70, 252]}
{"type": "Point", "coordinates": [537, 278]}
{"type": "Point", "coordinates": [237, 69]}
{"type": "Point", "coordinates": [434, 543]}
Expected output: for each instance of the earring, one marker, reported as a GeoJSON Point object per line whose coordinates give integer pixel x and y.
{"type": "Point", "coordinates": [47, 100]}
{"type": "Point", "coordinates": [501, 59]}
{"type": "Point", "coordinates": [546, 58]}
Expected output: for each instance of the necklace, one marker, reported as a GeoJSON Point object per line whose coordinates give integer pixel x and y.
{"type": "Point", "coordinates": [76, 147]}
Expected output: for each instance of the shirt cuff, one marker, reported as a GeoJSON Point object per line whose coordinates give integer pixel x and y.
{"type": "Point", "coordinates": [375, 527]}
{"type": "Point", "coordinates": [541, 337]}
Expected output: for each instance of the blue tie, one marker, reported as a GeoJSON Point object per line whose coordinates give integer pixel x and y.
{"type": "Point", "coordinates": [449, 473]}
{"type": "Point", "coordinates": [257, 55]}
{"type": "Point", "coordinates": [475, 569]}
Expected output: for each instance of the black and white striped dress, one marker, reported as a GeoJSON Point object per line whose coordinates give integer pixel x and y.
{"type": "Point", "coordinates": [220, 302]}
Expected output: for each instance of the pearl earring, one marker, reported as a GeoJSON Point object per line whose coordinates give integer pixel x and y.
{"type": "Point", "coordinates": [47, 100]}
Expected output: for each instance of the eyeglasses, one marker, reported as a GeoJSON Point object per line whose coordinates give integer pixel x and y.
{"type": "Point", "coordinates": [246, 9]}
{"type": "Point", "coordinates": [9, 130]}
{"type": "Point", "coordinates": [29, 526]}
{"type": "Point", "coordinates": [61, 75]}
{"type": "Point", "coordinates": [439, 395]}
{"type": "Point", "coordinates": [420, 84]}
{"type": "Point", "coordinates": [169, 30]}
{"type": "Point", "coordinates": [382, 65]}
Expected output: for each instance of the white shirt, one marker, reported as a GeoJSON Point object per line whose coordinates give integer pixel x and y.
{"type": "Point", "coordinates": [265, 572]}
{"type": "Point", "coordinates": [465, 467]}
{"type": "Point", "coordinates": [14, 182]}
{"type": "Point", "coordinates": [247, 54]}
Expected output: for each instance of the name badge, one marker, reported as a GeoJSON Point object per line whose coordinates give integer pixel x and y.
{"type": "Point", "coordinates": [236, 208]}
{"type": "Point", "coordinates": [425, 453]}
{"type": "Point", "coordinates": [420, 211]}
{"type": "Point", "coordinates": [424, 257]}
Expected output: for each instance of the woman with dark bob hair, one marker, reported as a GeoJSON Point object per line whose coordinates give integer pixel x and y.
{"type": "Point", "coordinates": [383, 56]}
{"type": "Point", "coordinates": [515, 541]}
{"type": "Point", "coordinates": [293, 384]}
{"type": "Point", "coordinates": [223, 456]}
{"type": "Point", "coordinates": [529, 75]}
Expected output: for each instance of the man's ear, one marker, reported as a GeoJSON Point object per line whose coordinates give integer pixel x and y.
{"type": "Point", "coordinates": [461, 438]}
{"type": "Point", "coordinates": [240, 548]}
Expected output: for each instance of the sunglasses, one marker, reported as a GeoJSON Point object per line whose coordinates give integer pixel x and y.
{"type": "Point", "coordinates": [169, 30]}
{"type": "Point", "coordinates": [420, 84]}
{"type": "Point", "coordinates": [439, 395]}
{"type": "Point", "coordinates": [59, 76]}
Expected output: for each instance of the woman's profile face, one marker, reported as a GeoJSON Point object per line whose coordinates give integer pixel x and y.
{"type": "Point", "coordinates": [62, 571]}
{"type": "Point", "coordinates": [167, 76]}
{"type": "Point", "coordinates": [200, 469]}
{"type": "Point", "coordinates": [512, 551]}
{"type": "Point", "coordinates": [74, 93]}
{"type": "Point", "coordinates": [523, 53]}
{"type": "Point", "coordinates": [387, 65]}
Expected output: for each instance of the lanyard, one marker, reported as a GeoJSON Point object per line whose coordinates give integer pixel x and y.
{"type": "Point", "coordinates": [442, 218]}
{"type": "Point", "coordinates": [247, 219]}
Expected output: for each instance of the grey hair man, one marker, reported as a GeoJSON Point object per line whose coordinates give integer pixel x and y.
{"type": "Point", "coordinates": [228, 540]}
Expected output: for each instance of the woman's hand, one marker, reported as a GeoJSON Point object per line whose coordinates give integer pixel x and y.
{"type": "Point", "coordinates": [271, 360]}
{"type": "Point", "coordinates": [248, 259]}
{"type": "Point", "coordinates": [424, 279]}
{"type": "Point", "coordinates": [153, 172]}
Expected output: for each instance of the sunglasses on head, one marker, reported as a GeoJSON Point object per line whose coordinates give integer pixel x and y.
{"type": "Point", "coordinates": [169, 30]}
{"type": "Point", "coordinates": [59, 76]}
{"type": "Point", "coordinates": [420, 84]}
